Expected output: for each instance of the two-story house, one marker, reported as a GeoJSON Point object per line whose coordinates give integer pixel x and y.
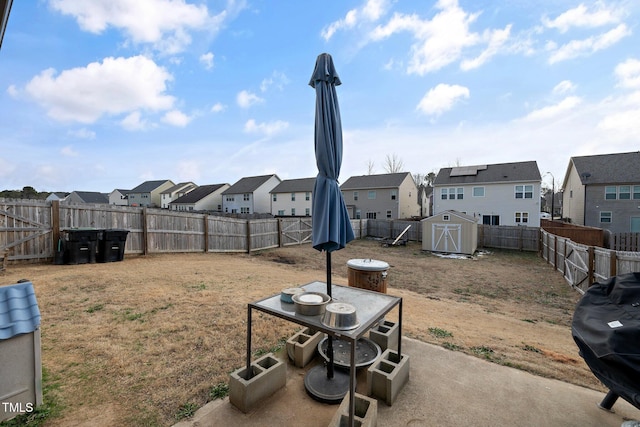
{"type": "Point", "coordinates": [173, 193]}
{"type": "Point", "coordinates": [603, 191]}
{"type": "Point", "coordinates": [119, 197]}
{"type": "Point", "coordinates": [498, 194]}
{"type": "Point", "coordinates": [202, 198]}
{"type": "Point", "coordinates": [148, 193]}
{"type": "Point", "coordinates": [250, 195]}
{"type": "Point", "coordinates": [385, 196]}
{"type": "Point", "coordinates": [292, 197]}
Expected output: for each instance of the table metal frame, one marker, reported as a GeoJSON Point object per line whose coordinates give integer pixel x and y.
{"type": "Point", "coordinates": [371, 307]}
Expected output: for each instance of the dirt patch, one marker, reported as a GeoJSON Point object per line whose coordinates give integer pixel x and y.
{"type": "Point", "coordinates": [152, 338]}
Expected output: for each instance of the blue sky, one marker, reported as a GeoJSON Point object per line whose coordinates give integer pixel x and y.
{"type": "Point", "coordinates": [110, 93]}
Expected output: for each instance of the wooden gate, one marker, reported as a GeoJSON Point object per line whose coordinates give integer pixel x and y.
{"type": "Point", "coordinates": [25, 230]}
{"type": "Point", "coordinates": [295, 231]}
{"type": "Point", "coordinates": [577, 266]}
{"type": "Point", "coordinates": [446, 237]}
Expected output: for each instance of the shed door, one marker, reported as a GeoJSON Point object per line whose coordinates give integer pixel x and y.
{"type": "Point", "coordinates": [446, 237]}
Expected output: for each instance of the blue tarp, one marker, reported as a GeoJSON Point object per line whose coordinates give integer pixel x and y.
{"type": "Point", "coordinates": [19, 312]}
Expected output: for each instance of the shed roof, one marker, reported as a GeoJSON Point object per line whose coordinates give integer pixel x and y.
{"type": "Point", "coordinates": [19, 312]}
{"type": "Point", "coordinates": [198, 194]}
{"type": "Point", "coordinates": [462, 216]}
{"type": "Point", "coordinates": [489, 174]}
{"type": "Point", "coordinates": [248, 184]}
{"type": "Point", "coordinates": [387, 180]}
{"type": "Point", "coordinates": [619, 168]}
{"type": "Point", "coordinates": [295, 185]}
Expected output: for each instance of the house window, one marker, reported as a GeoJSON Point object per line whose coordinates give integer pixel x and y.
{"type": "Point", "coordinates": [491, 219]}
{"type": "Point", "coordinates": [394, 194]}
{"type": "Point", "coordinates": [230, 199]}
{"type": "Point", "coordinates": [307, 196]}
{"type": "Point", "coordinates": [281, 212]}
{"type": "Point", "coordinates": [636, 192]}
{"type": "Point", "coordinates": [246, 197]}
{"type": "Point", "coordinates": [355, 195]}
{"type": "Point", "coordinates": [524, 191]}
{"type": "Point", "coordinates": [293, 197]}
{"type": "Point", "coordinates": [358, 214]}
{"type": "Point", "coordinates": [371, 215]}
{"type": "Point", "coordinates": [244, 210]}
{"type": "Point", "coordinates": [388, 214]}
{"type": "Point", "coordinates": [605, 217]}
{"type": "Point", "coordinates": [610, 192]}
{"type": "Point", "coordinates": [443, 194]}
{"type": "Point", "coordinates": [445, 217]}
{"type": "Point", "coordinates": [625, 192]}
{"type": "Point", "coordinates": [293, 211]}
{"type": "Point", "coordinates": [274, 197]}
{"type": "Point", "coordinates": [478, 191]}
{"type": "Point", "coordinates": [307, 212]}
{"type": "Point", "coordinates": [452, 194]}
{"type": "Point", "coordinates": [460, 193]}
{"type": "Point", "coordinates": [522, 217]}
{"type": "Point", "coordinates": [372, 194]}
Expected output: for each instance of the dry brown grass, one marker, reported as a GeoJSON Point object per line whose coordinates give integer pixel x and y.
{"type": "Point", "coordinates": [140, 342]}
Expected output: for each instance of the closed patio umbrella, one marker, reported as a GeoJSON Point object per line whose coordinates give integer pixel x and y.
{"type": "Point", "coordinates": [331, 229]}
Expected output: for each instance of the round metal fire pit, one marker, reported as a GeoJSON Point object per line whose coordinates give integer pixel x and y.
{"type": "Point", "coordinates": [367, 352]}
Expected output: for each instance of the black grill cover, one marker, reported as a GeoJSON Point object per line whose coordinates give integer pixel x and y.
{"type": "Point", "coordinates": [606, 328]}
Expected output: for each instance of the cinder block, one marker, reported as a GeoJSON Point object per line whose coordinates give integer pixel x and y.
{"type": "Point", "coordinates": [388, 376]}
{"type": "Point", "coordinates": [302, 346]}
{"type": "Point", "coordinates": [365, 414]}
{"type": "Point", "coordinates": [386, 335]}
{"type": "Point", "coordinates": [268, 375]}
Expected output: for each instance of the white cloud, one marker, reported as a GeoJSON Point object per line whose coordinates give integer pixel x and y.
{"type": "Point", "coordinates": [581, 16]}
{"type": "Point", "coordinates": [218, 108]}
{"type": "Point", "coordinates": [563, 87]}
{"type": "Point", "coordinates": [576, 48]}
{"type": "Point", "coordinates": [165, 24]}
{"type": "Point", "coordinates": [112, 87]}
{"type": "Point", "coordinates": [552, 111]}
{"type": "Point", "coordinates": [277, 79]}
{"type": "Point", "coordinates": [439, 41]}
{"type": "Point", "coordinates": [441, 99]}
{"type": "Point", "coordinates": [68, 151]}
{"type": "Point", "coordinates": [628, 74]}
{"type": "Point", "coordinates": [133, 121]}
{"type": "Point", "coordinates": [265, 128]}
{"type": "Point", "coordinates": [623, 122]}
{"type": "Point", "coordinates": [496, 40]}
{"type": "Point", "coordinates": [83, 133]}
{"type": "Point", "coordinates": [370, 12]}
{"type": "Point", "coordinates": [246, 99]}
{"type": "Point", "coordinates": [176, 118]}
{"type": "Point", "coordinates": [13, 91]}
{"type": "Point", "coordinates": [207, 60]}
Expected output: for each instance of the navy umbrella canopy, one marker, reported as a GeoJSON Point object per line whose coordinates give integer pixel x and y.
{"type": "Point", "coordinates": [331, 229]}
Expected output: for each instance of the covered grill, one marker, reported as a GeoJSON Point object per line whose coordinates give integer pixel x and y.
{"type": "Point", "coordinates": [606, 328]}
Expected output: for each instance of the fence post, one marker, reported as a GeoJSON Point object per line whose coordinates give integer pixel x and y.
{"type": "Point", "coordinates": [55, 224]}
{"type": "Point", "coordinates": [591, 253]}
{"type": "Point", "coordinates": [280, 242]}
{"type": "Point", "coordinates": [555, 252]}
{"type": "Point", "coordinates": [145, 234]}
{"type": "Point", "coordinates": [248, 236]}
{"type": "Point", "coordinates": [206, 233]}
{"type": "Point", "coordinates": [613, 263]}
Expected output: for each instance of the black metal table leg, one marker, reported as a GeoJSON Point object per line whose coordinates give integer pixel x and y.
{"type": "Point", "coordinates": [609, 400]}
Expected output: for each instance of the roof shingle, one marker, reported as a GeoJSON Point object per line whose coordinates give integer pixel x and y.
{"type": "Point", "coordinates": [19, 312]}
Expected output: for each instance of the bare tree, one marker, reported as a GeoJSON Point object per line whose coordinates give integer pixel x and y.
{"type": "Point", "coordinates": [370, 167]}
{"type": "Point", "coordinates": [430, 178]}
{"type": "Point", "coordinates": [392, 164]}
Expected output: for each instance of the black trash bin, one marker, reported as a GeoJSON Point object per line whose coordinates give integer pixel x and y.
{"type": "Point", "coordinates": [111, 245]}
{"type": "Point", "coordinates": [80, 245]}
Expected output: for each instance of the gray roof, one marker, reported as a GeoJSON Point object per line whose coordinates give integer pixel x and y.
{"type": "Point", "coordinates": [19, 312]}
{"type": "Point", "coordinates": [92, 197]}
{"type": "Point", "coordinates": [620, 168]}
{"type": "Point", "coordinates": [122, 191]}
{"type": "Point", "coordinates": [489, 174]}
{"type": "Point", "coordinates": [181, 186]}
{"type": "Point", "coordinates": [388, 180]}
{"type": "Point", "coordinates": [149, 186]}
{"type": "Point", "coordinates": [295, 185]}
{"type": "Point", "coordinates": [248, 184]}
{"type": "Point", "coordinates": [197, 194]}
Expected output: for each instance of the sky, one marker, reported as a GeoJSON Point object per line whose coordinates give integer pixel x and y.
{"type": "Point", "coordinates": [108, 94]}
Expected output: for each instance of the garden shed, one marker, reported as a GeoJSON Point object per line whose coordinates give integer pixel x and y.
{"type": "Point", "coordinates": [20, 363]}
{"type": "Point", "coordinates": [450, 232]}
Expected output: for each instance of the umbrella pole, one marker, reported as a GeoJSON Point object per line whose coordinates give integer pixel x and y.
{"type": "Point", "coordinates": [330, 338]}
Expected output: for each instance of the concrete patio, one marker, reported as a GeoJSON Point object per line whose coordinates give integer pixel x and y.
{"type": "Point", "coordinates": [446, 388]}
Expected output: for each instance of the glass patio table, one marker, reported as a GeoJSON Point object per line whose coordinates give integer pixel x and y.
{"type": "Point", "coordinates": [371, 307]}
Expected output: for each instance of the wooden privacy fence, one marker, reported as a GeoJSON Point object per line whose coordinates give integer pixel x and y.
{"type": "Point", "coordinates": [584, 265]}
